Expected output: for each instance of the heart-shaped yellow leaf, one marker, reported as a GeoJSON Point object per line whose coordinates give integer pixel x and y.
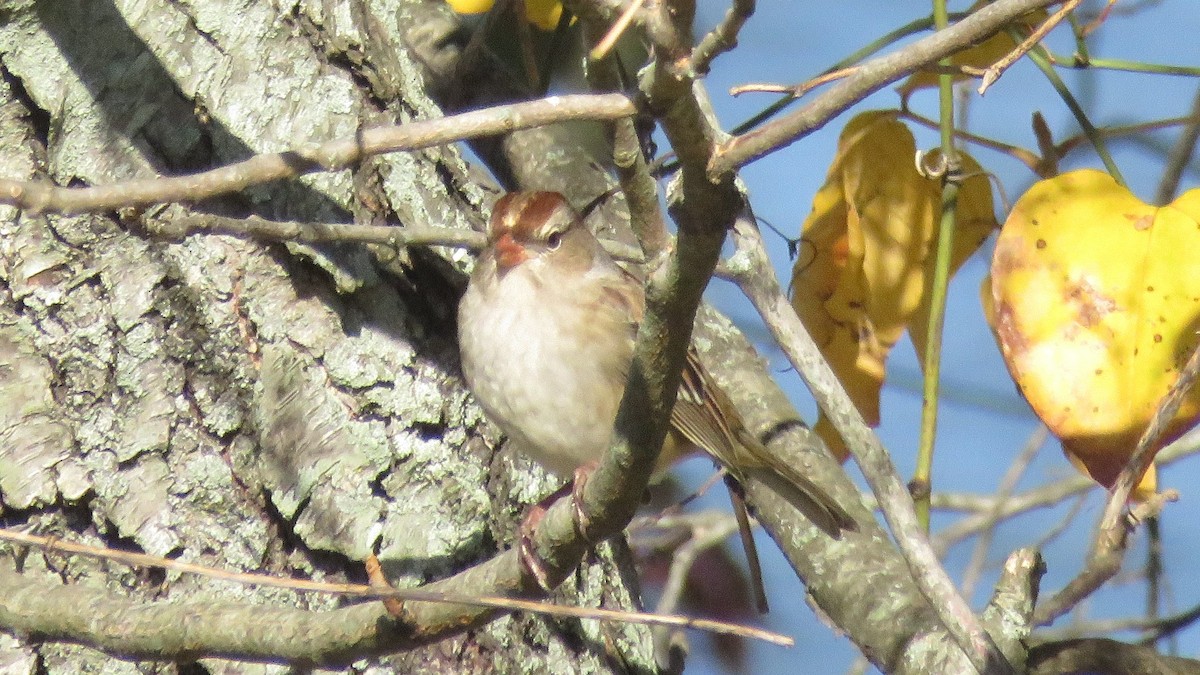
{"type": "Point", "coordinates": [1096, 304]}
{"type": "Point", "coordinates": [865, 269]}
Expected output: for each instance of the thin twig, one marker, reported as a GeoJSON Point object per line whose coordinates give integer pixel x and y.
{"type": "Point", "coordinates": [1008, 483]}
{"type": "Point", "coordinates": [1108, 546]}
{"type": "Point", "coordinates": [1042, 165]}
{"type": "Point", "coordinates": [871, 76]}
{"type": "Point", "coordinates": [1023, 155]}
{"type": "Point", "coordinates": [311, 233]}
{"type": "Point", "coordinates": [761, 88]}
{"type": "Point", "coordinates": [1169, 625]}
{"type": "Point", "coordinates": [629, 159]}
{"type": "Point", "coordinates": [1180, 156]}
{"type": "Point", "coordinates": [1040, 58]}
{"type": "Point", "coordinates": [1101, 17]}
{"type": "Point", "coordinates": [673, 514]}
{"type": "Point", "coordinates": [57, 545]}
{"type": "Point", "coordinates": [608, 12]}
{"type": "Point", "coordinates": [723, 38]}
{"type": "Point", "coordinates": [704, 533]}
{"type": "Point", "coordinates": [394, 236]}
{"type": "Point", "coordinates": [330, 156]}
{"type": "Point", "coordinates": [1154, 568]}
{"type": "Point", "coordinates": [1041, 497]}
{"type": "Point", "coordinates": [1063, 523]}
{"type": "Point", "coordinates": [997, 69]}
{"type": "Point", "coordinates": [873, 47]}
{"type": "Point", "coordinates": [796, 90]}
{"type": "Point", "coordinates": [1148, 444]}
{"type": "Point", "coordinates": [605, 45]}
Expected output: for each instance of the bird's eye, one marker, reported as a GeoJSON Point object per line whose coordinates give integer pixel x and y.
{"type": "Point", "coordinates": [554, 240]}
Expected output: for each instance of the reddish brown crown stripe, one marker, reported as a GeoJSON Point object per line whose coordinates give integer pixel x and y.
{"type": "Point", "coordinates": [524, 214]}
{"type": "Point", "coordinates": [506, 212]}
{"type": "Point", "coordinates": [537, 213]}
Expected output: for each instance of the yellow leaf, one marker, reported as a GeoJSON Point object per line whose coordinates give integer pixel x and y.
{"type": "Point", "coordinates": [982, 55]}
{"type": "Point", "coordinates": [542, 13]}
{"type": "Point", "coordinates": [866, 264]}
{"type": "Point", "coordinates": [1096, 301]}
{"type": "Point", "coordinates": [470, 6]}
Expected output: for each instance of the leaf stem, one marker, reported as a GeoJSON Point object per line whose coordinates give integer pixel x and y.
{"type": "Point", "coordinates": [1084, 62]}
{"type": "Point", "coordinates": [923, 478]}
{"type": "Point", "coordinates": [1040, 58]}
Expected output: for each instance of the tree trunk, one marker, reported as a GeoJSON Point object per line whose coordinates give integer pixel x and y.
{"type": "Point", "coordinates": [249, 406]}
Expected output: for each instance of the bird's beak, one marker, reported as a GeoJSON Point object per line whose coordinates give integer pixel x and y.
{"type": "Point", "coordinates": [509, 253]}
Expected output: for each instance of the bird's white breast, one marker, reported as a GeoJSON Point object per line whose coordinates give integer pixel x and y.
{"type": "Point", "coordinates": [535, 370]}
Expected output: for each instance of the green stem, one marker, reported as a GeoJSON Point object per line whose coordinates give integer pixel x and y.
{"type": "Point", "coordinates": [1081, 48]}
{"type": "Point", "coordinates": [1042, 61]}
{"type": "Point", "coordinates": [923, 478]}
{"type": "Point", "coordinates": [1082, 62]}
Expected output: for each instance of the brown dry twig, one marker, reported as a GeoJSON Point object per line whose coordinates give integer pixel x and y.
{"type": "Point", "coordinates": [997, 69]}
{"type": "Point", "coordinates": [40, 197]}
{"type": "Point", "coordinates": [379, 580]}
{"type": "Point", "coordinates": [393, 236]}
{"type": "Point", "coordinates": [796, 90]}
{"type": "Point", "coordinates": [605, 45]}
{"type": "Point", "coordinates": [1101, 17]}
{"type": "Point", "coordinates": [1108, 546]}
{"type": "Point", "coordinates": [1004, 490]}
{"type": "Point", "coordinates": [1040, 497]}
{"type": "Point", "coordinates": [55, 544]}
{"type": "Point", "coordinates": [871, 76]}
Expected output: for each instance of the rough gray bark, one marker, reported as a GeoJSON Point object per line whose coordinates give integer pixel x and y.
{"type": "Point", "coordinates": [252, 407]}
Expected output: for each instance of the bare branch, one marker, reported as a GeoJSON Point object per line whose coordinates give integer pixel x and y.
{"type": "Point", "coordinates": [1015, 597]}
{"type": "Point", "coordinates": [629, 159]}
{"type": "Point", "coordinates": [1036, 498]}
{"type": "Point", "coordinates": [723, 38]}
{"type": "Point", "coordinates": [997, 69]}
{"type": "Point", "coordinates": [755, 277]}
{"type": "Point", "coordinates": [1180, 156]}
{"type": "Point", "coordinates": [392, 236]}
{"type": "Point", "coordinates": [329, 156]}
{"type": "Point", "coordinates": [871, 76]}
{"type": "Point", "coordinates": [372, 592]}
{"type": "Point", "coordinates": [705, 530]}
{"type": "Point", "coordinates": [1103, 562]}
{"type": "Point", "coordinates": [1007, 484]}
{"type": "Point", "coordinates": [310, 233]}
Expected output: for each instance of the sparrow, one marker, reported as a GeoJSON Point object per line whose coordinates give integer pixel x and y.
{"type": "Point", "coordinates": [546, 331]}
